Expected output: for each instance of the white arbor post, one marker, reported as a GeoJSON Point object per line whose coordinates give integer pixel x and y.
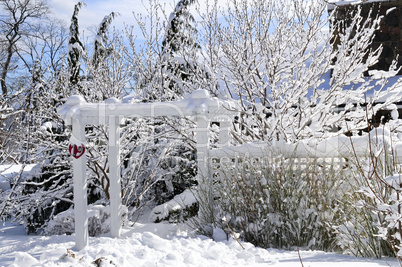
{"type": "Point", "coordinates": [205, 212]}
{"type": "Point", "coordinates": [80, 188]}
{"type": "Point", "coordinates": [114, 176]}
{"type": "Point", "coordinates": [224, 132]}
{"type": "Point", "coordinates": [202, 138]}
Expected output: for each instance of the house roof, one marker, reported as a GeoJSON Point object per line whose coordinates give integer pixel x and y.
{"type": "Point", "coordinates": [333, 3]}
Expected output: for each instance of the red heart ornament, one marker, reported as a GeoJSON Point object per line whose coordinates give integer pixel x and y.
{"type": "Point", "coordinates": [76, 151]}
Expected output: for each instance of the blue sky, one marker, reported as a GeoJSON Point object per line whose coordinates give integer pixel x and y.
{"type": "Point", "coordinates": [95, 10]}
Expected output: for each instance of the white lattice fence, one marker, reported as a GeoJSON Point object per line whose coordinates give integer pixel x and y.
{"type": "Point", "coordinates": [327, 155]}
{"type": "Point", "coordinates": [224, 159]}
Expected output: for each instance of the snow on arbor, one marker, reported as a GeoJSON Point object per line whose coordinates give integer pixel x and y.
{"type": "Point", "coordinates": [78, 113]}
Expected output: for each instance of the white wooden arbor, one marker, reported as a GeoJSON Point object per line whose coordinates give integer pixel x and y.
{"type": "Point", "coordinates": [76, 112]}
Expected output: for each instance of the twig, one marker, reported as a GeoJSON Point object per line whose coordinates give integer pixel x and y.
{"type": "Point", "coordinates": [12, 190]}
{"type": "Point", "coordinates": [233, 233]}
{"type": "Point", "coordinates": [298, 253]}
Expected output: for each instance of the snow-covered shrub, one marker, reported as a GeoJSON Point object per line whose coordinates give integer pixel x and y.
{"type": "Point", "coordinates": [373, 226]}
{"type": "Point", "coordinates": [179, 209]}
{"type": "Point", "coordinates": [44, 194]}
{"type": "Point", "coordinates": [389, 213]}
{"type": "Point", "coordinates": [279, 202]}
{"type": "Point", "coordinates": [98, 221]}
{"type": "Point", "coordinates": [155, 168]}
{"type": "Point", "coordinates": [357, 232]}
{"type": "Point", "coordinates": [349, 204]}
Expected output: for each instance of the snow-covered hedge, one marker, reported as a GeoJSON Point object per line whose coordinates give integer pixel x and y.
{"type": "Point", "coordinates": [98, 221]}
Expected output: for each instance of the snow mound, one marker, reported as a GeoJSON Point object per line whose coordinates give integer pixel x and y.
{"type": "Point", "coordinates": [158, 245]}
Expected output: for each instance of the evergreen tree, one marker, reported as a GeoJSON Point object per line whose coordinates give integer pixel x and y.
{"type": "Point", "coordinates": [75, 47]}
{"type": "Point", "coordinates": [100, 50]}
{"type": "Point", "coordinates": [177, 63]}
{"type": "Point", "coordinates": [180, 31]}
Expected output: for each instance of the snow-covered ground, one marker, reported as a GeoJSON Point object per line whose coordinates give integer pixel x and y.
{"type": "Point", "coordinates": [157, 245]}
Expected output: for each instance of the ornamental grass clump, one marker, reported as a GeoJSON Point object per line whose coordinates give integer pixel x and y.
{"type": "Point", "coordinates": [374, 228]}
{"type": "Point", "coordinates": [279, 202]}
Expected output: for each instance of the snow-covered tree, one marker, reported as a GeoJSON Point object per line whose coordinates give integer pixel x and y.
{"type": "Point", "coordinates": [75, 47]}
{"type": "Point", "coordinates": [100, 50]}
{"type": "Point", "coordinates": [174, 64]}
{"type": "Point", "coordinates": [109, 70]}
{"type": "Point", "coordinates": [15, 24]}
{"type": "Point", "coordinates": [168, 143]}
{"type": "Point", "coordinates": [180, 32]}
{"type": "Point", "coordinates": [277, 58]}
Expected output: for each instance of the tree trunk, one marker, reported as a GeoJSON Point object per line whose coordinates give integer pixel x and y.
{"type": "Point", "coordinates": [11, 43]}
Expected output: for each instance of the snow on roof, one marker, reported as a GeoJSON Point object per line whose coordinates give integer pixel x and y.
{"type": "Point", "coordinates": [333, 3]}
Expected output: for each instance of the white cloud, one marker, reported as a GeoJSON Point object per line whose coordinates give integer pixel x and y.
{"type": "Point", "coordinates": [95, 10]}
{"type": "Point", "coordinates": [62, 9]}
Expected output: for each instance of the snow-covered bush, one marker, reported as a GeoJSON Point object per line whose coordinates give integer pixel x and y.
{"type": "Point", "coordinates": [279, 202]}
{"type": "Point", "coordinates": [334, 204]}
{"type": "Point", "coordinates": [98, 221]}
{"type": "Point", "coordinates": [373, 227]}
{"type": "Point", "coordinates": [357, 232]}
{"type": "Point", "coordinates": [44, 194]}
{"type": "Point", "coordinates": [158, 162]}
{"type": "Point", "coordinates": [179, 209]}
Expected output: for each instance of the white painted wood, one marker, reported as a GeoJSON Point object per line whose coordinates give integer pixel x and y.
{"type": "Point", "coordinates": [224, 130]}
{"type": "Point", "coordinates": [199, 102]}
{"type": "Point", "coordinates": [114, 175]}
{"type": "Point", "coordinates": [80, 190]}
{"type": "Point", "coordinates": [203, 175]}
{"type": "Point", "coordinates": [202, 138]}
